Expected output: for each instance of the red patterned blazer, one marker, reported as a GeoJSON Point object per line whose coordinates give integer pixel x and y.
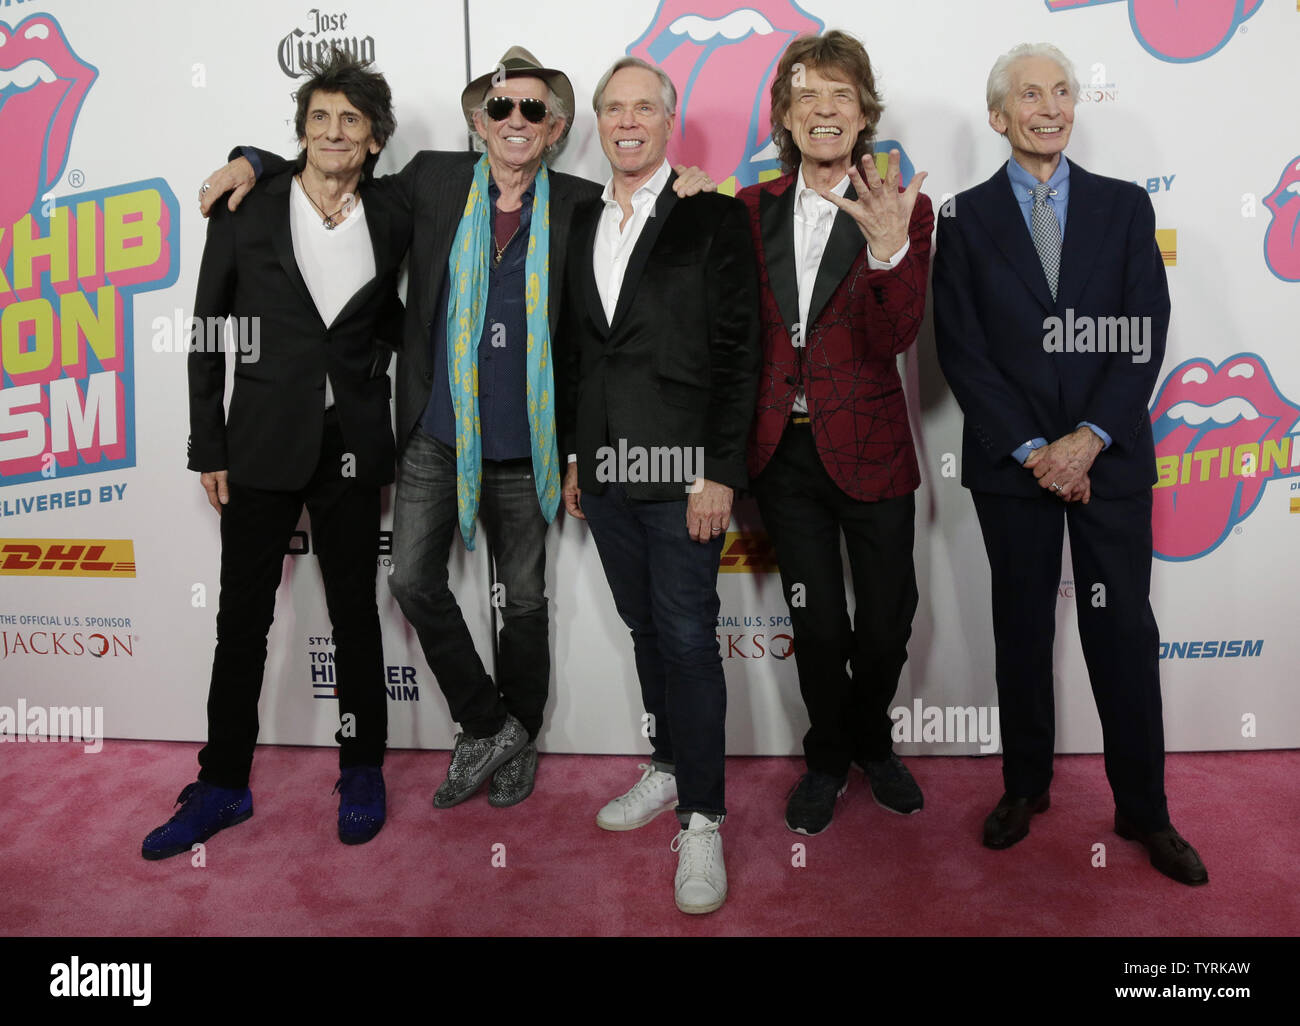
{"type": "Point", "coordinates": [860, 320]}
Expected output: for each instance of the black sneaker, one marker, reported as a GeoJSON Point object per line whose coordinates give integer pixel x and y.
{"type": "Point", "coordinates": [812, 802]}
{"type": "Point", "coordinates": [893, 787]}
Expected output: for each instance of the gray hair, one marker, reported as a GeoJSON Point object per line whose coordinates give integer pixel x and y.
{"type": "Point", "coordinates": [667, 91]}
{"type": "Point", "coordinates": [1000, 83]}
{"type": "Point", "coordinates": [555, 111]}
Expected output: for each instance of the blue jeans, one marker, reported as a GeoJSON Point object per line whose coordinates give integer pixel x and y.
{"type": "Point", "coordinates": [665, 587]}
{"type": "Point", "coordinates": [424, 524]}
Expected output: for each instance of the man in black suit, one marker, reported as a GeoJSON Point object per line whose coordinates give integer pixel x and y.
{"type": "Point", "coordinates": [659, 372]}
{"type": "Point", "coordinates": [520, 112]}
{"type": "Point", "coordinates": [1042, 248]}
{"type": "Point", "coordinates": [306, 269]}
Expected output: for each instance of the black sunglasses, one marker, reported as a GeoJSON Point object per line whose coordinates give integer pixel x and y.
{"type": "Point", "coordinates": [499, 107]}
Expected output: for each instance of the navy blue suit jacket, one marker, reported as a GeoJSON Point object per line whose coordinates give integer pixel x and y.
{"type": "Point", "coordinates": [992, 305]}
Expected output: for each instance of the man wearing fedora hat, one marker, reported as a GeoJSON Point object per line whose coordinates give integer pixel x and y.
{"type": "Point", "coordinates": [475, 407]}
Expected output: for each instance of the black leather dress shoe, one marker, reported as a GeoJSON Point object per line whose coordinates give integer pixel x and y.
{"type": "Point", "coordinates": [1009, 822]}
{"type": "Point", "coordinates": [1169, 852]}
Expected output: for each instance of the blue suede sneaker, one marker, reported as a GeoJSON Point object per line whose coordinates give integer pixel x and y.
{"type": "Point", "coordinates": [362, 799]}
{"type": "Point", "coordinates": [205, 809]}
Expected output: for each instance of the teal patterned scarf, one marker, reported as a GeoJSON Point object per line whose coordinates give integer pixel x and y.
{"type": "Point", "coordinates": [468, 266]}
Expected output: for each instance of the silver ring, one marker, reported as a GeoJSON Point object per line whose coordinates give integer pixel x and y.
{"type": "Point", "coordinates": [1055, 486]}
{"type": "Point", "coordinates": [717, 530]}
{"type": "Point", "coordinates": [205, 188]}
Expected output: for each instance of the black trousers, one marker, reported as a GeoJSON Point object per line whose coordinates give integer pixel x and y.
{"type": "Point", "coordinates": [1110, 545]}
{"type": "Point", "coordinates": [848, 671]}
{"type": "Point", "coordinates": [256, 526]}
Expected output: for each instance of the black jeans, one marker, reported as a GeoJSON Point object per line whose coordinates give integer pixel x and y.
{"type": "Point", "coordinates": [805, 512]}
{"type": "Point", "coordinates": [425, 521]}
{"type": "Point", "coordinates": [665, 587]}
{"type": "Point", "coordinates": [256, 526]}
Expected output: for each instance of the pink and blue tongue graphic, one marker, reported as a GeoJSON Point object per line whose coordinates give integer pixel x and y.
{"type": "Point", "coordinates": [42, 87]}
{"type": "Point", "coordinates": [1282, 240]}
{"type": "Point", "coordinates": [1177, 30]}
{"type": "Point", "coordinates": [1216, 411]}
{"type": "Point", "coordinates": [721, 55]}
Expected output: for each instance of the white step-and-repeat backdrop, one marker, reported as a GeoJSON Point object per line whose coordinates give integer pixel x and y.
{"type": "Point", "coordinates": [112, 113]}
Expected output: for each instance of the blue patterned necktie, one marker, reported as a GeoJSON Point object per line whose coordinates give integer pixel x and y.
{"type": "Point", "coordinates": [1047, 235]}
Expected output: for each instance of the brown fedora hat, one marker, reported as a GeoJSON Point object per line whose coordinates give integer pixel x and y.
{"type": "Point", "coordinates": [518, 62]}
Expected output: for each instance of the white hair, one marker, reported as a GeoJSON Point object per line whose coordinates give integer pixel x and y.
{"type": "Point", "coordinates": [1000, 83]}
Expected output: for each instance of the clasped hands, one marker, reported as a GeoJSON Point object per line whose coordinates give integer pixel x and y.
{"type": "Point", "coordinates": [1062, 467]}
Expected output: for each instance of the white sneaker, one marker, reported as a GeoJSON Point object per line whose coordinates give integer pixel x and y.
{"type": "Point", "coordinates": [701, 884]}
{"type": "Point", "coordinates": [654, 793]}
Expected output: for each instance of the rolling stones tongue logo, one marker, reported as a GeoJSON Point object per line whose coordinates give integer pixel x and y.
{"type": "Point", "coordinates": [721, 55]}
{"type": "Point", "coordinates": [1178, 30]}
{"type": "Point", "coordinates": [1221, 434]}
{"type": "Point", "coordinates": [1282, 241]}
{"type": "Point", "coordinates": [42, 86]}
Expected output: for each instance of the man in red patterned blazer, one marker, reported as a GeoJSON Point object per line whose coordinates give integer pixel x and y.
{"type": "Point", "coordinates": [842, 294]}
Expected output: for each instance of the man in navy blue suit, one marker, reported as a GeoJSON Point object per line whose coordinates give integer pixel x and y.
{"type": "Point", "coordinates": [1051, 310]}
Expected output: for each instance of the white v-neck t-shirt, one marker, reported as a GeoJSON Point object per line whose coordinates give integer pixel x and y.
{"type": "Point", "coordinates": [334, 262]}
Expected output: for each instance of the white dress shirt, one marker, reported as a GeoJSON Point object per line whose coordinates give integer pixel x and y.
{"type": "Point", "coordinates": [335, 262]}
{"type": "Point", "coordinates": [614, 244]}
{"type": "Point", "coordinates": [813, 217]}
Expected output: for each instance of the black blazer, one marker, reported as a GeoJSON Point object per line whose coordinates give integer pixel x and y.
{"type": "Point", "coordinates": [991, 301]}
{"type": "Point", "coordinates": [679, 365]}
{"type": "Point", "coordinates": [271, 438]}
{"type": "Point", "coordinates": [427, 200]}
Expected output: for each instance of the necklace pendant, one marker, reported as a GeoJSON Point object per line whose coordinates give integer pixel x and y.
{"type": "Point", "coordinates": [329, 223]}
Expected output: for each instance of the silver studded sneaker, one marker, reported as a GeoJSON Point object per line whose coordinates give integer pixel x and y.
{"type": "Point", "coordinates": [476, 759]}
{"type": "Point", "coordinates": [513, 782]}
{"type": "Point", "coordinates": [701, 883]}
{"type": "Point", "coordinates": [654, 793]}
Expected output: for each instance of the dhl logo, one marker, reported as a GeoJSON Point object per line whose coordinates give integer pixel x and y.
{"type": "Point", "coordinates": [747, 554]}
{"type": "Point", "coordinates": [1167, 240]}
{"type": "Point", "coordinates": [64, 557]}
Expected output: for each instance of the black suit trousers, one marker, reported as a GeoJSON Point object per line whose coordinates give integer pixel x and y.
{"type": "Point", "coordinates": [1110, 546]}
{"type": "Point", "coordinates": [256, 526]}
{"type": "Point", "coordinates": [805, 512]}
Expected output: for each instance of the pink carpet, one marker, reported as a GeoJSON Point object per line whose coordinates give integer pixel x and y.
{"type": "Point", "coordinates": [72, 823]}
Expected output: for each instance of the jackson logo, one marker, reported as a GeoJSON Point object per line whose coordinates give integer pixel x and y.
{"type": "Point", "coordinates": [69, 268]}
{"type": "Point", "coordinates": [1221, 434]}
{"type": "Point", "coordinates": [748, 554]}
{"type": "Point", "coordinates": [61, 557]}
{"type": "Point", "coordinates": [323, 33]}
{"type": "Point", "coordinates": [66, 643]}
{"type": "Point", "coordinates": [1178, 31]}
{"type": "Point", "coordinates": [1282, 241]}
{"type": "Point", "coordinates": [721, 56]}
